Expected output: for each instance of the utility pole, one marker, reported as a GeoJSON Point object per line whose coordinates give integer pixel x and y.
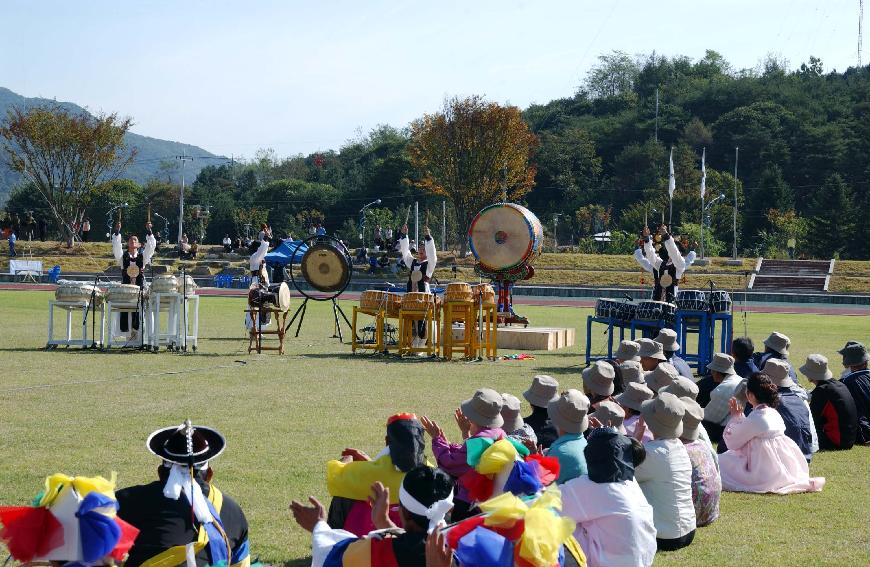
{"type": "Point", "coordinates": [734, 249]}
{"type": "Point", "coordinates": [657, 114]}
{"type": "Point", "coordinates": [184, 159]}
{"type": "Point", "coordinates": [416, 224]}
{"type": "Point", "coordinates": [556, 231]}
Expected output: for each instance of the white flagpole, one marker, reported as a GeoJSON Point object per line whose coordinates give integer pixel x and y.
{"type": "Point", "coordinates": [672, 184]}
{"type": "Point", "coordinates": [703, 191]}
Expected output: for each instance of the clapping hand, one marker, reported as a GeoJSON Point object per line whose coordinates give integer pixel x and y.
{"type": "Point", "coordinates": [379, 500]}
{"type": "Point", "coordinates": [734, 408]}
{"type": "Point", "coordinates": [355, 454]}
{"type": "Point", "coordinates": [438, 554]}
{"type": "Point", "coordinates": [433, 429]}
{"type": "Point", "coordinates": [639, 429]}
{"type": "Point", "coordinates": [308, 516]}
{"type": "Point", "coordinates": [463, 423]}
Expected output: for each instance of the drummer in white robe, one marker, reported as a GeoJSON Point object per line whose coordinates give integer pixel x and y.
{"type": "Point", "coordinates": [421, 269]}
{"type": "Point", "coordinates": [666, 265]}
{"type": "Point", "coordinates": [132, 264]}
{"type": "Point", "coordinates": [259, 275]}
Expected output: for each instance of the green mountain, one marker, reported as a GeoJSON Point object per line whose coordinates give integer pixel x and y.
{"type": "Point", "coordinates": [152, 152]}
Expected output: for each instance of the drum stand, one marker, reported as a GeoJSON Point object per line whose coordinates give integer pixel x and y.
{"type": "Point", "coordinates": [336, 310]}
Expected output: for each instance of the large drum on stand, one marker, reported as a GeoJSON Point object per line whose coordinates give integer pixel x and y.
{"type": "Point", "coordinates": [164, 283]}
{"type": "Point", "coordinates": [124, 293]}
{"type": "Point", "coordinates": [505, 236]}
{"type": "Point", "coordinates": [506, 239]}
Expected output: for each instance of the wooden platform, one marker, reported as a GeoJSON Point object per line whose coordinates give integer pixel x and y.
{"type": "Point", "coordinates": [517, 338]}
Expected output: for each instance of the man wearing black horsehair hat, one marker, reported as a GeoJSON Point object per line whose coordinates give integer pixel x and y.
{"type": "Point", "coordinates": [182, 517]}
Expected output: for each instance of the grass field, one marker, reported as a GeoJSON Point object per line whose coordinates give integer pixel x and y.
{"type": "Point", "coordinates": [89, 413]}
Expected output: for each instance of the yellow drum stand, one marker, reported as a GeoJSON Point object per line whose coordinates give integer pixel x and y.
{"type": "Point", "coordinates": [378, 345]}
{"type": "Point", "coordinates": [458, 312]}
{"type": "Point", "coordinates": [418, 306]}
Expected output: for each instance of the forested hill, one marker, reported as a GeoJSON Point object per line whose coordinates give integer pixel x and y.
{"type": "Point", "coordinates": [602, 162]}
{"type": "Point", "coordinates": [152, 152]}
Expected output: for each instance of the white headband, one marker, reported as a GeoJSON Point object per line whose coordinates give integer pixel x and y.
{"type": "Point", "coordinates": [434, 513]}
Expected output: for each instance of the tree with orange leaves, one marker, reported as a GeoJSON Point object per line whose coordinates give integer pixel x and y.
{"type": "Point", "coordinates": [475, 153]}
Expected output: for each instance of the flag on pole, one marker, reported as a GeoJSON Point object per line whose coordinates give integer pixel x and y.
{"type": "Point", "coordinates": [672, 181]}
{"type": "Point", "coordinates": [703, 174]}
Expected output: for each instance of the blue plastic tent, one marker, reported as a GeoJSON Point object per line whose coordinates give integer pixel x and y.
{"type": "Point", "coordinates": [280, 256]}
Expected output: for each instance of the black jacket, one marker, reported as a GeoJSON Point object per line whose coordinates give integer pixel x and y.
{"type": "Point", "coordinates": [834, 414]}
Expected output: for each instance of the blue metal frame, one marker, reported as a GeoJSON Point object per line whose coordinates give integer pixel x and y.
{"type": "Point", "coordinates": [611, 323]}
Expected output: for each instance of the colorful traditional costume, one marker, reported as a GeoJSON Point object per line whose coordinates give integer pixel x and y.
{"type": "Point", "coordinates": [185, 519]}
{"type": "Point", "coordinates": [72, 522]}
{"type": "Point", "coordinates": [349, 484]}
{"type": "Point", "coordinates": [420, 272]}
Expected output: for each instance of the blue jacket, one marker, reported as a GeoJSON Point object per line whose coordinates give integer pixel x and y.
{"type": "Point", "coordinates": [744, 369]}
{"type": "Point", "coordinates": [796, 415]}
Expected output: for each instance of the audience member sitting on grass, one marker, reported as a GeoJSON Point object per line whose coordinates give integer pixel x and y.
{"type": "Point", "coordinates": [716, 412]}
{"type": "Point", "coordinates": [618, 380]}
{"type": "Point", "coordinates": [184, 507]}
{"type": "Point", "coordinates": [478, 416]}
{"type": "Point", "coordinates": [544, 389]}
{"type": "Point", "coordinates": [631, 400]}
{"type": "Point", "coordinates": [614, 521]}
{"type": "Point", "coordinates": [743, 350]}
{"type": "Point", "coordinates": [628, 350]}
{"type": "Point", "coordinates": [608, 414]}
{"type": "Point", "coordinates": [685, 388]}
{"type": "Point", "coordinates": [831, 405]}
{"type": "Point", "coordinates": [775, 346]}
{"type": "Point", "coordinates": [349, 479]}
{"type": "Point", "coordinates": [670, 347]}
{"type": "Point", "coordinates": [651, 354]}
{"type": "Point", "coordinates": [664, 375]}
{"type": "Point", "coordinates": [760, 457]}
{"type": "Point", "coordinates": [706, 482]}
{"type": "Point", "coordinates": [631, 371]}
{"type": "Point", "coordinates": [514, 425]}
{"type": "Point", "coordinates": [857, 379]}
{"type": "Point", "coordinates": [425, 498]}
{"type": "Point", "coordinates": [665, 477]}
{"type": "Point", "coordinates": [598, 381]}
{"type": "Point", "coordinates": [793, 408]}
{"type": "Point", "coordinates": [568, 414]}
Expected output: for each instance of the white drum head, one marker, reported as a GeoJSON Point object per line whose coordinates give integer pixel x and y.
{"type": "Point", "coordinates": [502, 237]}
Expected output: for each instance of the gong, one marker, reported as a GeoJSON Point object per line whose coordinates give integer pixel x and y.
{"type": "Point", "coordinates": [325, 268]}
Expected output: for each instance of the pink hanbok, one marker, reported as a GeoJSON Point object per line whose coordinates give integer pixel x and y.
{"type": "Point", "coordinates": [760, 458]}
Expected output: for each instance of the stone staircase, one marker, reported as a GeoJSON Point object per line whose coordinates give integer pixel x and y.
{"type": "Point", "coordinates": [792, 275]}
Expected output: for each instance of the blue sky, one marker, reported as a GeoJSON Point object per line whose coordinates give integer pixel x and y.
{"type": "Point", "coordinates": [306, 76]}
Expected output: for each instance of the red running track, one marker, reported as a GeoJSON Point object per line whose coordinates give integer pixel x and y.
{"type": "Point", "coordinates": [796, 308]}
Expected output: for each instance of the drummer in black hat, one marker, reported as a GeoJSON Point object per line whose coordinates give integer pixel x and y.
{"type": "Point", "coordinates": [182, 517]}
{"type": "Point", "coordinates": [420, 269]}
{"type": "Point", "coordinates": [664, 260]}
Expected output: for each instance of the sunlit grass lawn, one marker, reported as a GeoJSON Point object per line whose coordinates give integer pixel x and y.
{"type": "Point", "coordinates": [284, 417]}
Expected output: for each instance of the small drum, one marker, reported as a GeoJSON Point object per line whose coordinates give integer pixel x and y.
{"type": "Point", "coordinates": [483, 294]}
{"type": "Point", "coordinates": [373, 300]}
{"type": "Point", "coordinates": [123, 293]}
{"type": "Point", "coordinates": [458, 291]}
{"type": "Point", "coordinates": [655, 311]}
{"type": "Point", "coordinates": [276, 295]}
{"type": "Point", "coordinates": [624, 311]}
{"type": "Point", "coordinates": [605, 308]}
{"type": "Point", "coordinates": [721, 301]}
{"type": "Point", "coordinates": [691, 300]}
{"type": "Point", "coordinates": [164, 283]}
{"type": "Point", "coordinates": [77, 292]}
{"type": "Point", "coordinates": [394, 304]}
{"type": "Point", "coordinates": [417, 301]}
